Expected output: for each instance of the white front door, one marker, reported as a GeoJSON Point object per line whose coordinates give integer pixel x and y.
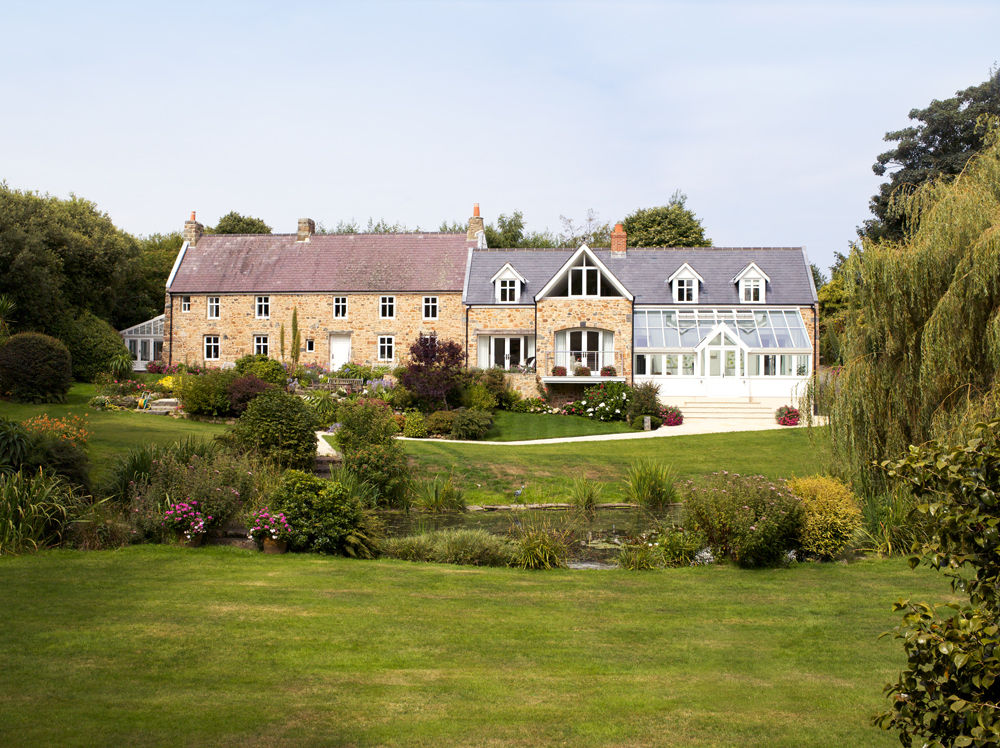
{"type": "Point", "coordinates": [340, 350]}
{"type": "Point", "coordinates": [723, 367]}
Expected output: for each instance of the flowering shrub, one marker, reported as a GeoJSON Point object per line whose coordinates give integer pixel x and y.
{"type": "Point", "coordinates": [185, 517]}
{"type": "Point", "coordinates": [123, 387]}
{"type": "Point", "coordinates": [166, 384]}
{"type": "Point", "coordinates": [671, 415]}
{"type": "Point", "coordinates": [609, 371]}
{"type": "Point", "coordinates": [532, 405]}
{"type": "Point", "coordinates": [70, 428]}
{"type": "Point", "coordinates": [558, 371]}
{"type": "Point", "coordinates": [267, 524]}
{"type": "Point", "coordinates": [747, 518]}
{"type": "Point", "coordinates": [161, 367]}
{"type": "Point", "coordinates": [607, 401]}
{"type": "Point", "coordinates": [786, 415]}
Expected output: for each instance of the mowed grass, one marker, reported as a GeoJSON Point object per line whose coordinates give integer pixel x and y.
{"type": "Point", "coordinates": [113, 432]}
{"type": "Point", "coordinates": [510, 427]}
{"type": "Point", "coordinates": [488, 471]}
{"type": "Point", "coordinates": [172, 646]}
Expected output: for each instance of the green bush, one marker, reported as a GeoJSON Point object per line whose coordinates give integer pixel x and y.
{"type": "Point", "coordinates": [59, 456]}
{"type": "Point", "coordinates": [130, 473]}
{"type": "Point", "coordinates": [409, 548]}
{"type": "Point", "coordinates": [324, 404]}
{"type": "Point", "coordinates": [415, 426]}
{"type": "Point", "coordinates": [384, 468]}
{"type": "Point", "coordinates": [324, 515]}
{"type": "Point", "coordinates": [35, 509]}
{"type": "Point", "coordinates": [749, 519]}
{"type": "Point", "coordinates": [35, 368]}
{"type": "Point", "coordinates": [94, 346]}
{"type": "Point", "coordinates": [651, 485]}
{"type": "Point", "coordinates": [364, 422]}
{"type": "Point", "coordinates": [539, 547]}
{"type": "Point", "coordinates": [832, 516]}
{"type": "Point", "coordinates": [471, 424]}
{"type": "Point", "coordinates": [678, 546]}
{"type": "Point", "coordinates": [439, 495]}
{"type": "Point", "coordinates": [14, 441]}
{"type": "Point", "coordinates": [440, 422]}
{"type": "Point", "coordinates": [645, 401]}
{"type": "Point", "coordinates": [639, 556]}
{"type": "Point", "coordinates": [477, 397]}
{"type": "Point", "coordinates": [207, 394]}
{"type": "Point", "coordinates": [281, 427]}
{"type": "Point", "coordinates": [262, 367]}
{"type": "Point", "coordinates": [462, 546]}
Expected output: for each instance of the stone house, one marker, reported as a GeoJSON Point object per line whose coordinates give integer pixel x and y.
{"type": "Point", "coordinates": [728, 323]}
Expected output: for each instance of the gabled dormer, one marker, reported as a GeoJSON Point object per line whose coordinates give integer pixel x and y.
{"type": "Point", "coordinates": [752, 282]}
{"type": "Point", "coordinates": [584, 276]}
{"type": "Point", "coordinates": [507, 285]}
{"type": "Point", "coordinates": [684, 284]}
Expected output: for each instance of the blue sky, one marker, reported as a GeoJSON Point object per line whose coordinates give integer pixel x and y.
{"type": "Point", "coordinates": [768, 115]}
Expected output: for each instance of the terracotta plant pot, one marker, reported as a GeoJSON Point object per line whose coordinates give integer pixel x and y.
{"type": "Point", "coordinates": [275, 546]}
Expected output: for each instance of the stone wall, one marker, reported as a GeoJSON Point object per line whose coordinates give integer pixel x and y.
{"type": "Point", "coordinates": [526, 385]}
{"type": "Point", "coordinates": [809, 317]}
{"type": "Point", "coordinates": [492, 318]}
{"type": "Point", "coordinates": [237, 325]}
{"type": "Point", "coordinates": [614, 314]}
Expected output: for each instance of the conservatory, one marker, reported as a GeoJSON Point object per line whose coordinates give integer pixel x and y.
{"type": "Point", "coordinates": [723, 353]}
{"type": "Point", "coordinates": [144, 342]}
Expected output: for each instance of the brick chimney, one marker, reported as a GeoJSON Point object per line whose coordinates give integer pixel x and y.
{"type": "Point", "coordinates": [475, 224]}
{"type": "Point", "coordinates": [193, 230]}
{"type": "Point", "coordinates": [307, 227]}
{"type": "Point", "coordinates": [618, 237]}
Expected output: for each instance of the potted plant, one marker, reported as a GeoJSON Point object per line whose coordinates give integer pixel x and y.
{"type": "Point", "coordinates": [609, 371]}
{"type": "Point", "coordinates": [671, 415]}
{"type": "Point", "coordinates": [270, 530]}
{"type": "Point", "coordinates": [186, 520]}
{"type": "Point", "coordinates": [786, 415]}
{"type": "Point", "coordinates": [581, 371]}
{"type": "Point", "coordinates": [558, 371]}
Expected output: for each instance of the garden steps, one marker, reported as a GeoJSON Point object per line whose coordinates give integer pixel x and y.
{"type": "Point", "coordinates": [231, 534]}
{"type": "Point", "coordinates": [727, 409]}
{"type": "Point", "coordinates": [164, 406]}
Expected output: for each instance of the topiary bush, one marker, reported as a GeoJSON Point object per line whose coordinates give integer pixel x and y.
{"type": "Point", "coordinates": [471, 424]}
{"type": "Point", "coordinates": [94, 346]}
{"type": "Point", "coordinates": [440, 422]}
{"type": "Point", "coordinates": [749, 519]}
{"type": "Point", "coordinates": [280, 426]}
{"type": "Point", "coordinates": [242, 390]}
{"type": "Point", "coordinates": [832, 515]}
{"type": "Point", "coordinates": [325, 516]}
{"type": "Point", "coordinates": [207, 394]}
{"type": "Point", "coordinates": [264, 368]}
{"type": "Point", "coordinates": [35, 368]}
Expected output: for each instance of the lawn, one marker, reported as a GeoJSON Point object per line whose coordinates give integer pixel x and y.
{"type": "Point", "coordinates": [113, 432]}
{"type": "Point", "coordinates": [490, 472]}
{"type": "Point", "coordinates": [164, 645]}
{"type": "Point", "coordinates": [511, 427]}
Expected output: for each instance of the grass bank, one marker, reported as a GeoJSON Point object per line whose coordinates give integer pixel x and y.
{"type": "Point", "coordinates": [163, 645]}
{"type": "Point", "coordinates": [512, 427]}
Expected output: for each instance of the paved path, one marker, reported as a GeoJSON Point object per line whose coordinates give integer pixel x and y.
{"type": "Point", "coordinates": [690, 426]}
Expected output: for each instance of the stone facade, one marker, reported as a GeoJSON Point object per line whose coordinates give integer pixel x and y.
{"type": "Point", "coordinates": [491, 319]}
{"type": "Point", "coordinates": [607, 313]}
{"type": "Point", "coordinates": [809, 318]}
{"type": "Point", "coordinates": [237, 325]}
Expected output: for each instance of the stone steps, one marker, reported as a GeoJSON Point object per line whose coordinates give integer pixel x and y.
{"type": "Point", "coordinates": [164, 406]}
{"type": "Point", "coordinates": [726, 409]}
{"type": "Point", "coordinates": [232, 534]}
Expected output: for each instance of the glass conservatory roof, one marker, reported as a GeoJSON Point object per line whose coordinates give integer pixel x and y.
{"type": "Point", "coordinates": [765, 328]}
{"type": "Point", "coordinates": [149, 328]}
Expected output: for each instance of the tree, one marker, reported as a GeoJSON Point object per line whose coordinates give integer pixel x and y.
{"type": "Point", "coordinates": [946, 135]}
{"type": "Point", "coordinates": [143, 295]}
{"type": "Point", "coordinates": [670, 225]}
{"type": "Point", "coordinates": [508, 233]}
{"type": "Point", "coordinates": [296, 338]}
{"type": "Point", "coordinates": [819, 277]}
{"type": "Point", "coordinates": [922, 326]}
{"type": "Point", "coordinates": [434, 370]}
{"type": "Point", "coordinates": [234, 223]}
{"type": "Point", "coordinates": [7, 307]}
{"type": "Point", "coordinates": [592, 232]}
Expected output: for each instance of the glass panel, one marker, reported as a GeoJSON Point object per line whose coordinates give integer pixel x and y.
{"type": "Point", "coordinates": [717, 340]}
{"type": "Point", "coordinates": [499, 352]}
{"type": "Point", "coordinates": [144, 350]}
{"type": "Point", "coordinates": [687, 364]}
{"type": "Point", "coordinates": [786, 365]}
{"type": "Point", "coordinates": [670, 367]}
{"type": "Point", "coordinates": [593, 341]}
{"type": "Point", "coordinates": [801, 366]}
{"type": "Point", "coordinates": [592, 281]}
{"type": "Point", "coordinates": [157, 350]}
{"type": "Point", "coordinates": [753, 366]}
{"type": "Point", "coordinates": [640, 364]}
{"type": "Point", "coordinates": [656, 364]}
{"type": "Point", "coordinates": [576, 341]}
{"type": "Point", "coordinates": [655, 339]}
{"type": "Point", "coordinates": [769, 365]}
{"type": "Point", "coordinates": [133, 348]}
{"type": "Point", "coordinates": [714, 363]}
{"type": "Point", "coordinates": [514, 346]}
{"type": "Point", "coordinates": [730, 363]}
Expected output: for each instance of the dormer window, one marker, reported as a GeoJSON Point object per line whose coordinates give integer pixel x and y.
{"type": "Point", "coordinates": [684, 284]}
{"type": "Point", "coordinates": [752, 283]}
{"type": "Point", "coordinates": [507, 285]}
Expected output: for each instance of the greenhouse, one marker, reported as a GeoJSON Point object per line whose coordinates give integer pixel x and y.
{"type": "Point", "coordinates": [144, 342]}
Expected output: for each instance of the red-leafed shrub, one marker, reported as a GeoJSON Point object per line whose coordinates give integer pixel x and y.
{"type": "Point", "coordinates": [243, 390]}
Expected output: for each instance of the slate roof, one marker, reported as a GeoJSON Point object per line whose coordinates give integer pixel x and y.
{"type": "Point", "coordinates": [644, 272]}
{"type": "Point", "coordinates": [277, 263]}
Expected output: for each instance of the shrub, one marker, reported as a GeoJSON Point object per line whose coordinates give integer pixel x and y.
{"type": "Point", "coordinates": [671, 415]}
{"type": "Point", "coordinates": [35, 368]}
{"type": "Point", "coordinates": [607, 401]}
{"type": "Point", "coordinates": [70, 428]}
{"type": "Point", "coordinates": [639, 556]}
{"type": "Point", "coordinates": [890, 524]}
{"type": "Point", "coordinates": [14, 442]}
{"type": "Point", "coordinates": [264, 368]}
{"type": "Point", "coordinates": [585, 493]}
{"type": "Point", "coordinates": [832, 516]}
{"type": "Point", "coordinates": [94, 346]}
{"type": "Point", "coordinates": [415, 427]}
{"type": "Point", "coordinates": [324, 516]}
{"type": "Point", "coordinates": [242, 390]}
{"type": "Point", "coordinates": [364, 422]}
{"type": "Point", "coordinates": [409, 548]}
{"type": "Point", "coordinates": [477, 397]}
{"type": "Point", "coordinates": [324, 404]}
{"type": "Point", "coordinates": [440, 422]}
{"type": "Point", "coordinates": [531, 405]}
{"type": "Point", "coordinates": [280, 426]}
{"type": "Point", "coordinates": [439, 495]}
{"type": "Point", "coordinates": [434, 371]}
{"type": "Point", "coordinates": [461, 546]}
{"type": "Point", "coordinates": [558, 371]}
{"type": "Point", "coordinates": [59, 456]}
{"type": "Point", "coordinates": [99, 526]}
{"type": "Point", "coordinates": [540, 547]}
{"type": "Point", "coordinates": [651, 485]}
{"type": "Point", "coordinates": [747, 518]}
{"type": "Point", "coordinates": [645, 401]}
{"type": "Point", "coordinates": [384, 468]}
{"type": "Point", "coordinates": [207, 394]}
{"type": "Point", "coordinates": [471, 424]}
{"type": "Point", "coordinates": [35, 509]}
{"type": "Point", "coordinates": [160, 367]}
{"type": "Point", "coordinates": [786, 415]}
{"type": "Point", "coordinates": [130, 472]}
{"type": "Point", "coordinates": [668, 546]}
{"type": "Point", "coordinates": [186, 518]}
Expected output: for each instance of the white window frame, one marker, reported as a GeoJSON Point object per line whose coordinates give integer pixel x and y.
{"type": "Point", "coordinates": [387, 304]}
{"type": "Point", "coordinates": [185, 303]}
{"type": "Point", "coordinates": [214, 304]}
{"type": "Point", "coordinates": [508, 291]}
{"type": "Point", "coordinates": [580, 273]}
{"type": "Point", "coordinates": [310, 345]}
{"type": "Point", "coordinates": [686, 290]}
{"type": "Point", "coordinates": [386, 343]}
{"type": "Point", "coordinates": [747, 288]}
{"type": "Point", "coordinates": [261, 345]}
{"type": "Point", "coordinates": [340, 305]}
{"type": "Point", "coordinates": [213, 341]}
{"type": "Point", "coordinates": [262, 308]}
{"type": "Point", "coordinates": [430, 305]}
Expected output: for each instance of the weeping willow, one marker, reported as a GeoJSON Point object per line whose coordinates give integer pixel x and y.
{"type": "Point", "coordinates": [922, 339]}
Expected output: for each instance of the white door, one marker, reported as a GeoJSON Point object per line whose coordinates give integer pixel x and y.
{"type": "Point", "coordinates": [723, 364]}
{"type": "Point", "coordinates": [340, 350]}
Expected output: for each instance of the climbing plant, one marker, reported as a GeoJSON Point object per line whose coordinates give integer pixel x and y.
{"type": "Point", "coordinates": [921, 342]}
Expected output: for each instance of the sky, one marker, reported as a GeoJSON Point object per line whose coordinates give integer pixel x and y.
{"type": "Point", "coordinates": [768, 116]}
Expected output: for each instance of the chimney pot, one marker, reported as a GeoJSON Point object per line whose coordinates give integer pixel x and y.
{"type": "Point", "coordinates": [475, 210]}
